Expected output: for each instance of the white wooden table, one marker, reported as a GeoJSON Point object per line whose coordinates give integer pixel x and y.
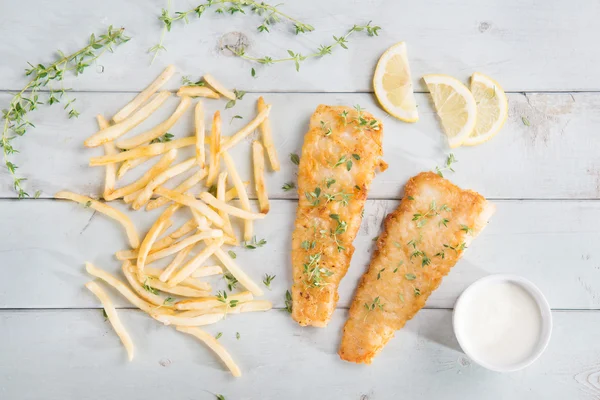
{"type": "Point", "coordinates": [544, 178]}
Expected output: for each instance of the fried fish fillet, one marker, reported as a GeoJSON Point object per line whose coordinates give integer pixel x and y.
{"type": "Point", "coordinates": [341, 153]}
{"type": "Point", "coordinates": [422, 240]}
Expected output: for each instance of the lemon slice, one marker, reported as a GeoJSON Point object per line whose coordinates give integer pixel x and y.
{"type": "Point", "coordinates": [455, 105]}
{"type": "Point", "coordinates": [393, 84]}
{"type": "Point", "coordinates": [492, 109]}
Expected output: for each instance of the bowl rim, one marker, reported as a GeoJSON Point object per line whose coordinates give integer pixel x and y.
{"type": "Point", "coordinates": [536, 294]}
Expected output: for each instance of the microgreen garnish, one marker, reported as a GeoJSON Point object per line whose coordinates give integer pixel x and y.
{"type": "Point", "coordinates": [254, 244]}
{"type": "Point", "coordinates": [314, 196]}
{"type": "Point", "coordinates": [417, 291]}
{"type": "Point", "coordinates": [307, 245]}
{"type": "Point", "coordinates": [329, 182]}
{"type": "Point", "coordinates": [218, 336]}
{"type": "Point", "coordinates": [268, 279]}
{"type": "Point", "coordinates": [288, 301]}
{"type": "Point", "coordinates": [315, 273]}
{"type": "Point", "coordinates": [525, 121]}
{"type": "Point", "coordinates": [410, 277]}
{"type": "Point", "coordinates": [15, 116]}
{"type": "Point", "coordinates": [376, 304]}
{"type": "Point", "coordinates": [294, 158]}
{"type": "Point", "coordinates": [220, 397]}
{"type": "Point", "coordinates": [379, 273]}
{"type": "Point", "coordinates": [237, 335]}
{"type": "Point", "coordinates": [185, 81]}
{"type": "Point", "coordinates": [235, 117]}
{"type": "Point", "coordinates": [163, 139]}
{"type": "Point", "coordinates": [449, 161]}
{"type": "Point", "coordinates": [288, 186]}
{"type": "Point", "coordinates": [168, 301]}
{"type": "Point", "coordinates": [326, 128]}
{"type": "Point", "coordinates": [105, 314]}
{"type": "Point", "coordinates": [375, 238]}
{"type": "Point", "coordinates": [232, 254]}
{"type": "Point", "coordinates": [239, 94]}
{"type": "Point", "coordinates": [149, 288]}
{"type": "Point", "coordinates": [422, 218]}
{"type": "Point", "coordinates": [339, 229]}
{"type": "Point", "coordinates": [467, 230]}
{"type": "Point", "coordinates": [88, 204]}
{"type": "Point", "coordinates": [222, 297]}
{"type": "Point", "coordinates": [410, 198]}
{"type": "Point", "coordinates": [401, 297]}
{"type": "Point", "coordinates": [231, 281]}
{"type": "Point", "coordinates": [323, 50]}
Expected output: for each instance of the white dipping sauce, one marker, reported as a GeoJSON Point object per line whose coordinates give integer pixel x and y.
{"type": "Point", "coordinates": [500, 323]}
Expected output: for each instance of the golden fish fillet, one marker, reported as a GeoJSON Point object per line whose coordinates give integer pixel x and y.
{"type": "Point", "coordinates": [340, 155]}
{"type": "Point", "coordinates": [422, 240]}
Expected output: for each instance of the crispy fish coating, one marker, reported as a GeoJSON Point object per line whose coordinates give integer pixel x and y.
{"type": "Point", "coordinates": [422, 240]}
{"type": "Point", "coordinates": [341, 153]}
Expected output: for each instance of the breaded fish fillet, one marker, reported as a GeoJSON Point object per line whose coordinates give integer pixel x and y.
{"type": "Point", "coordinates": [422, 240]}
{"type": "Point", "coordinates": [340, 155]}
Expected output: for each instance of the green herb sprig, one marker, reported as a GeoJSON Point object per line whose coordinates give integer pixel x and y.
{"type": "Point", "coordinates": [448, 167]}
{"type": "Point", "coordinates": [323, 50]}
{"type": "Point", "coordinates": [270, 15]}
{"type": "Point", "coordinates": [16, 121]}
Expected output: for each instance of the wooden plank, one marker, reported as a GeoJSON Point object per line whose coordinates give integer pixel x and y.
{"type": "Point", "coordinates": [77, 355]}
{"type": "Point", "coordinates": [554, 157]}
{"type": "Point", "coordinates": [554, 244]}
{"type": "Point", "coordinates": [550, 52]}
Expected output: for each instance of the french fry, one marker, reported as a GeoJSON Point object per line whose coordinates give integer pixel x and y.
{"type": "Point", "coordinates": [113, 317]}
{"type": "Point", "coordinates": [145, 291]}
{"type": "Point", "coordinates": [159, 179]}
{"type": "Point", "coordinates": [173, 265]}
{"type": "Point", "coordinates": [200, 134]}
{"type": "Point", "coordinates": [258, 157]}
{"type": "Point", "coordinates": [232, 193]}
{"type": "Point", "coordinates": [159, 129]}
{"type": "Point", "coordinates": [209, 303]}
{"type": "Point", "coordinates": [111, 170]}
{"type": "Point", "coordinates": [208, 270]}
{"type": "Point", "coordinates": [151, 237]}
{"type": "Point", "coordinates": [238, 273]}
{"type": "Point", "coordinates": [214, 346]}
{"type": "Point", "coordinates": [182, 188]}
{"type": "Point", "coordinates": [193, 203]}
{"type": "Point", "coordinates": [134, 240]}
{"type": "Point", "coordinates": [177, 247]}
{"type": "Point", "coordinates": [130, 198]}
{"type": "Point", "coordinates": [129, 164]}
{"type": "Point", "coordinates": [189, 282]}
{"type": "Point", "coordinates": [218, 87]}
{"type": "Point", "coordinates": [125, 291]}
{"type": "Point", "coordinates": [120, 128]}
{"type": "Point", "coordinates": [144, 95]}
{"type": "Point", "coordinates": [221, 183]}
{"type": "Point", "coordinates": [231, 210]}
{"type": "Point", "coordinates": [200, 320]}
{"type": "Point", "coordinates": [248, 306]}
{"type": "Point", "coordinates": [246, 130]}
{"type": "Point", "coordinates": [215, 146]}
{"type": "Point", "coordinates": [241, 192]}
{"type": "Point", "coordinates": [179, 290]}
{"type": "Point", "coordinates": [267, 137]}
{"type": "Point", "coordinates": [183, 230]}
{"type": "Point", "coordinates": [151, 150]}
{"type": "Point", "coordinates": [197, 91]}
{"type": "Point", "coordinates": [156, 169]}
{"type": "Point", "coordinates": [187, 269]}
{"type": "Point", "coordinates": [201, 221]}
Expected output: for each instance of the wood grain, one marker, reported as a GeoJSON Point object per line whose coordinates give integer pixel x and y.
{"type": "Point", "coordinates": [548, 52]}
{"type": "Point", "coordinates": [76, 354]}
{"type": "Point", "coordinates": [554, 157]}
{"type": "Point", "coordinates": [549, 242]}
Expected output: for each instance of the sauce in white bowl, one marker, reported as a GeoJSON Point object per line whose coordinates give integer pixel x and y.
{"type": "Point", "coordinates": [502, 322]}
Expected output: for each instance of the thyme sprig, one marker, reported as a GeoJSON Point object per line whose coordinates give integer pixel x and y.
{"type": "Point", "coordinates": [16, 121]}
{"type": "Point", "coordinates": [448, 167]}
{"type": "Point", "coordinates": [323, 50]}
{"type": "Point", "coordinates": [270, 16]}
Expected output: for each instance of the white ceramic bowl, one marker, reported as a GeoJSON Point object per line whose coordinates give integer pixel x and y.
{"type": "Point", "coordinates": [536, 294]}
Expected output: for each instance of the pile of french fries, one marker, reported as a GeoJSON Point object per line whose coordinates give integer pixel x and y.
{"type": "Point", "coordinates": [188, 302]}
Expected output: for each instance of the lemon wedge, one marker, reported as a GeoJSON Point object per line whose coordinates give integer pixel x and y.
{"type": "Point", "coordinates": [392, 84]}
{"type": "Point", "coordinates": [455, 105]}
{"type": "Point", "coordinates": [492, 109]}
